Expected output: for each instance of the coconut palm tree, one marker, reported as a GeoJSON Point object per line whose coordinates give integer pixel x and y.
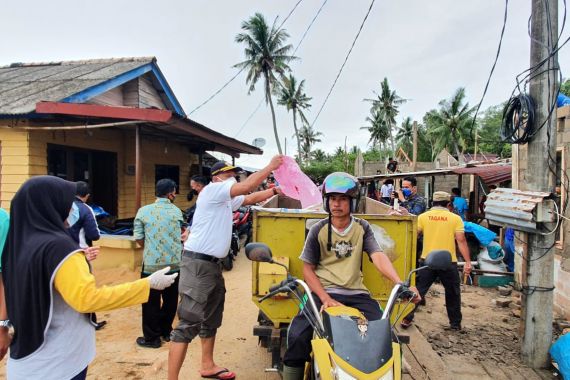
{"type": "Point", "coordinates": [405, 135]}
{"type": "Point", "coordinates": [319, 155]}
{"type": "Point", "coordinates": [291, 96]}
{"type": "Point", "coordinates": [309, 137]}
{"type": "Point", "coordinates": [387, 103]}
{"type": "Point", "coordinates": [377, 128]}
{"type": "Point", "coordinates": [450, 124]}
{"type": "Point", "coordinates": [267, 55]}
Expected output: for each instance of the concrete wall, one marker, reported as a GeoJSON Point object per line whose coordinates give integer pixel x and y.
{"type": "Point", "coordinates": [24, 154]}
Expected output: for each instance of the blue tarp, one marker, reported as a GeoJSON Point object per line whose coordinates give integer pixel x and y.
{"type": "Point", "coordinates": [560, 352]}
{"type": "Point", "coordinates": [482, 234]}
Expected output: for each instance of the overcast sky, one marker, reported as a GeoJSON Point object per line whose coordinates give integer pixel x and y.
{"type": "Point", "coordinates": [426, 49]}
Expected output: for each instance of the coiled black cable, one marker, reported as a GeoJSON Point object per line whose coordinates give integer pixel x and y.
{"type": "Point", "coordinates": [518, 124]}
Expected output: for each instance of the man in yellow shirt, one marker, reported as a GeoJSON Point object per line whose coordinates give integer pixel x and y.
{"type": "Point", "coordinates": [441, 229]}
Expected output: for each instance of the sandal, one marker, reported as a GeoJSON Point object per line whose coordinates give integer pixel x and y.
{"type": "Point", "coordinates": [217, 375]}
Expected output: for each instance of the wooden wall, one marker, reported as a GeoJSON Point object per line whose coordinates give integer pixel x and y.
{"type": "Point", "coordinates": [139, 92]}
{"type": "Point", "coordinates": [24, 154]}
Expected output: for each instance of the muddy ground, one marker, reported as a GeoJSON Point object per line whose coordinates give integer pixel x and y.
{"type": "Point", "coordinates": [489, 340]}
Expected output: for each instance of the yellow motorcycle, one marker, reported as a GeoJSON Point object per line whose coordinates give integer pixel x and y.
{"type": "Point", "coordinates": [347, 346]}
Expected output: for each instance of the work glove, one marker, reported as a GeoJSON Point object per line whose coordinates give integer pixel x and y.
{"type": "Point", "coordinates": [159, 280]}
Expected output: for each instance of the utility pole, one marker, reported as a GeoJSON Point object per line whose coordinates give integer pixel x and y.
{"type": "Point", "coordinates": [415, 148]}
{"type": "Point", "coordinates": [536, 175]}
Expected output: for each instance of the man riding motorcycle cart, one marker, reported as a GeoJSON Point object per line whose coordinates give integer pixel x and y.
{"type": "Point", "coordinates": [332, 258]}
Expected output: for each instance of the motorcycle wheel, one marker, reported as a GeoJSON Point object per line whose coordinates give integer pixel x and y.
{"type": "Point", "coordinates": [228, 262]}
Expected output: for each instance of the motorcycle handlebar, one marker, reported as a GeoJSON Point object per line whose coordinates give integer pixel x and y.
{"type": "Point", "coordinates": [284, 285]}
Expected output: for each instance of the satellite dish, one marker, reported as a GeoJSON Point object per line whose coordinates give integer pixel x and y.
{"type": "Point", "coordinates": [258, 142]}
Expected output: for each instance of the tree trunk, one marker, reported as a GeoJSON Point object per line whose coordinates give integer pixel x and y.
{"type": "Point", "coordinates": [392, 140]}
{"type": "Point", "coordinates": [299, 154]}
{"type": "Point", "coordinates": [268, 98]}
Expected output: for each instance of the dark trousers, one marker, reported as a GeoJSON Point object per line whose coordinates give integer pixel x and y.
{"type": "Point", "coordinates": [158, 313]}
{"type": "Point", "coordinates": [300, 331]}
{"type": "Point", "coordinates": [451, 283]}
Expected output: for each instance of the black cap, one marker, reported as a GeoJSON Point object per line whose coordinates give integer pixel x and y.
{"type": "Point", "coordinates": [222, 167]}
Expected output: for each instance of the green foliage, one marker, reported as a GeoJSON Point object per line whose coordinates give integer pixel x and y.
{"type": "Point", "coordinates": [292, 96]}
{"type": "Point", "coordinates": [386, 106]}
{"type": "Point", "coordinates": [308, 137]}
{"type": "Point", "coordinates": [267, 56]}
{"type": "Point", "coordinates": [449, 126]}
{"type": "Point", "coordinates": [565, 87]}
{"type": "Point", "coordinates": [489, 128]}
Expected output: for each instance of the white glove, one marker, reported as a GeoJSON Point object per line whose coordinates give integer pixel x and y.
{"type": "Point", "coordinates": [159, 280]}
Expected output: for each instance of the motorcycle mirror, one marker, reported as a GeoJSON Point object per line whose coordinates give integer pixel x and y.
{"type": "Point", "coordinates": [258, 252]}
{"type": "Point", "coordinates": [438, 260]}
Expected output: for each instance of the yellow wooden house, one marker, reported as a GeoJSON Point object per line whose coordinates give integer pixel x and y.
{"type": "Point", "coordinates": [114, 123]}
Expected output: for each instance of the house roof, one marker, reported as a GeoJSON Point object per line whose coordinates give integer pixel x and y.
{"type": "Point", "coordinates": [22, 85]}
{"type": "Point", "coordinates": [42, 91]}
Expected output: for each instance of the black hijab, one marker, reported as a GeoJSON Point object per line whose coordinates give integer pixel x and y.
{"type": "Point", "coordinates": [37, 244]}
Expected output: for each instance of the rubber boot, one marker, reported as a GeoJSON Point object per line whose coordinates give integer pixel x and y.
{"type": "Point", "coordinates": [293, 373]}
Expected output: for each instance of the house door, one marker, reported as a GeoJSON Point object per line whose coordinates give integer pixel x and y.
{"type": "Point", "coordinates": [97, 168]}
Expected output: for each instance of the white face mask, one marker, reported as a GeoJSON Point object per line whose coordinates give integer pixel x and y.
{"type": "Point", "coordinates": [231, 179]}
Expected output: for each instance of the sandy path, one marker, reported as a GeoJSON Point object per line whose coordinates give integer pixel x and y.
{"type": "Point", "coordinates": [118, 357]}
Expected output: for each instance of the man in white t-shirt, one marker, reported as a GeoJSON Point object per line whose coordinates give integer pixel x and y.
{"type": "Point", "coordinates": [202, 290]}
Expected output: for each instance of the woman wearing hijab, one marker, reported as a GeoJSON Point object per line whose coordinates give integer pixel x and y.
{"type": "Point", "coordinates": [49, 289]}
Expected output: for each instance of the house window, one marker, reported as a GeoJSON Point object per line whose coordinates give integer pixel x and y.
{"type": "Point", "coordinates": [168, 171]}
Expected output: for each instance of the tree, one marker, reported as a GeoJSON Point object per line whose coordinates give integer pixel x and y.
{"type": "Point", "coordinates": [489, 132]}
{"type": "Point", "coordinates": [450, 125]}
{"type": "Point", "coordinates": [291, 96]}
{"type": "Point", "coordinates": [319, 155]}
{"type": "Point", "coordinates": [387, 103]}
{"type": "Point", "coordinates": [308, 138]}
{"type": "Point", "coordinates": [377, 128]}
{"type": "Point", "coordinates": [405, 135]}
{"type": "Point", "coordinates": [267, 55]}
{"type": "Point", "coordinates": [565, 87]}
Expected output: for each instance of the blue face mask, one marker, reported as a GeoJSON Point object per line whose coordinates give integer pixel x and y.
{"type": "Point", "coordinates": [407, 192]}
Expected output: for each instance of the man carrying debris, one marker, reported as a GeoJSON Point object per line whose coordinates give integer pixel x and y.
{"type": "Point", "coordinates": [441, 229]}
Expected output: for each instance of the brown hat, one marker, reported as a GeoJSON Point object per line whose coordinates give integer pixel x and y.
{"type": "Point", "coordinates": [439, 196]}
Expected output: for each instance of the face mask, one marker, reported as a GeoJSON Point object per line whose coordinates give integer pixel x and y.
{"type": "Point", "coordinates": [407, 192]}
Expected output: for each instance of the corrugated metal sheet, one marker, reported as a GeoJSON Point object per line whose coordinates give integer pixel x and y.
{"type": "Point", "coordinates": [23, 85]}
{"type": "Point", "coordinates": [490, 174]}
{"type": "Point", "coordinates": [515, 208]}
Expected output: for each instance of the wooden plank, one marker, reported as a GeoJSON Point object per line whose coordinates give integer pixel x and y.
{"type": "Point", "coordinates": [374, 207]}
{"type": "Point", "coordinates": [131, 93]}
{"type": "Point", "coordinates": [113, 97]}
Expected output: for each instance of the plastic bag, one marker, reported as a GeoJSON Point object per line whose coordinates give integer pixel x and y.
{"type": "Point", "coordinates": [295, 184]}
{"type": "Point", "coordinates": [493, 253]}
{"type": "Point", "coordinates": [386, 243]}
{"type": "Point", "coordinates": [560, 352]}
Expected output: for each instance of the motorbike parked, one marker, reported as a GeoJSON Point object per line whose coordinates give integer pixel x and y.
{"type": "Point", "coordinates": [346, 346]}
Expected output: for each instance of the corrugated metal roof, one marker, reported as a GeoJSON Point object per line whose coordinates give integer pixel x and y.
{"type": "Point", "coordinates": [516, 208]}
{"type": "Point", "coordinates": [490, 174]}
{"type": "Point", "coordinates": [23, 85]}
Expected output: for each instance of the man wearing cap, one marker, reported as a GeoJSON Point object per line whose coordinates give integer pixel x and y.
{"type": "Point", "coordinates": [441, 229]}
{"type": "Point", "coordinates": [202, 290]}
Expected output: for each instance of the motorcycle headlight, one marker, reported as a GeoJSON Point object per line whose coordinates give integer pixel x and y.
{"type": "Point", "coordinates": [338, 373]}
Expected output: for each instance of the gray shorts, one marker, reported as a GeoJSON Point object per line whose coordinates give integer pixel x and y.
{"type": "Point", "coordinates": [202, 295]}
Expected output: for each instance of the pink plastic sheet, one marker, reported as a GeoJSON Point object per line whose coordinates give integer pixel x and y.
{"type": "Point", "coordinates": [295, 184]}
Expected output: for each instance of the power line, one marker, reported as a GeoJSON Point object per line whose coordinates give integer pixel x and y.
{"type": "Point", "coordinates": [217, 92]}
{"type": "Point", "coordinates": [294, 51]}
{"type": "Point", "coordinates": [240, 71]}
{"type": "Point", "coordinates": [344, 63]}
{"type": "Point", "coordinates": [249, 117]}
{"type": "Point", "coordinates": [492, 68]}
{"type": "Point", "coordinates": [309, 27]}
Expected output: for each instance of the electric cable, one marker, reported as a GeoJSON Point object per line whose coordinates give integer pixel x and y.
{"type": "Point", "coordinates": [249, 117]}
{"type": "Point", "coordinates": [492, 68]}
{"type": "Point", "coordinates": [240, 71]}
{"type": "Point", "coordinates": [344, 63]}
